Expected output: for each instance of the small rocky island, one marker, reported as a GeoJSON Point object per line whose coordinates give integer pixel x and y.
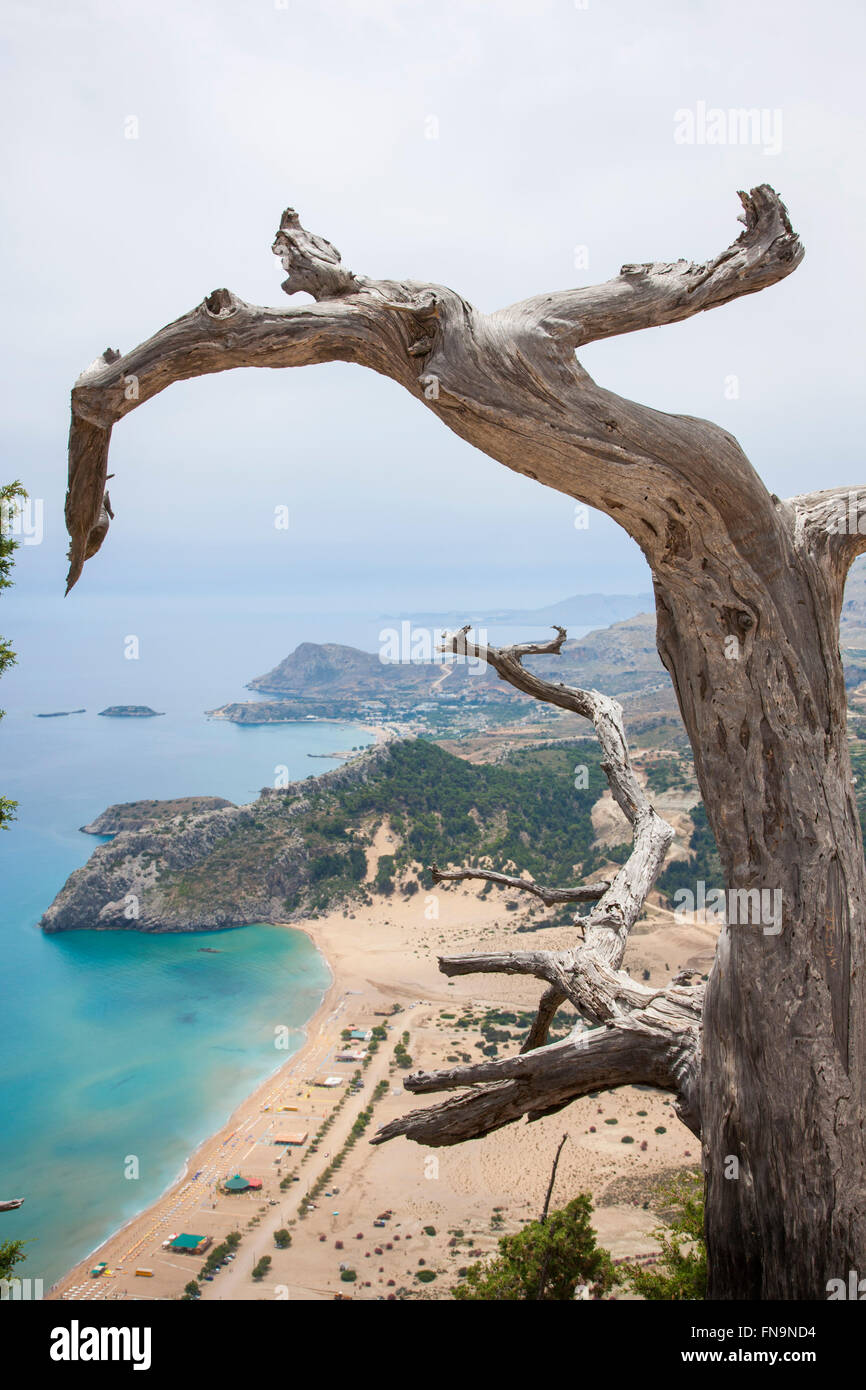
{"type": "Point", "coordinates": [130, 712]}
{"type": "Point", "coordinates": [60, 713]}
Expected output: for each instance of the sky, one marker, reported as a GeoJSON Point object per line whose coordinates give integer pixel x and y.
{"type": "Point", "coordinates": [500, 148]}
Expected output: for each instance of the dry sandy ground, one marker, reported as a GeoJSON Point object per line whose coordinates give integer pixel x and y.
{"type": "Point", "coordinates": [468, 1195]}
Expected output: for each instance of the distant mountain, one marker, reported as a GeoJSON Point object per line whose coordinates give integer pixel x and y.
{"type": "Point", "coordinates": [616, 659]}
{"type": "Point", "coordinates": [619, 658]}
{"type": "Point", "coordinates": [580, 610]}
{"type": "Point", "coordinates": [328, 670]}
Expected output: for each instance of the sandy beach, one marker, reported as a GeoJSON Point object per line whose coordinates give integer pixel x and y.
{"type": "Point", "coordinates": [441, 1209]}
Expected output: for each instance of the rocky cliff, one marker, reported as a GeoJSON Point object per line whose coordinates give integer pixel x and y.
{"type": "Point", "coordinates": [136, 815]}
{"type": "Point", "coordinates": [304, 850]}
{"type": "Point", "coordinates": [205, 869]}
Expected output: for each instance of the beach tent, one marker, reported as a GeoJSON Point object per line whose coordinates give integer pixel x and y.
{"type": "Point", "coordinates": [190, 1244]}
{"type": "Point", "coordinates": [236, 1184]}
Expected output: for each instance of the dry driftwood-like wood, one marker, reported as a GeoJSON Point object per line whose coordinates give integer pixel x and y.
{"type": "Point", "coordinates": [662, 1027]}
{"type": "Point", "coordinates": [584, 893]}
{"type": "Point", "coordinates": [748, 592]}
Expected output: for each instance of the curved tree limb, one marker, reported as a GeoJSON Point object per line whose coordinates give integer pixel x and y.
{"type": "Point", "coordinates": [496, 380]}
{"type": "Point", "coordinates": [545, 1080]}
{"type": "Point", "coordinates": [585, 893]}
{"type": "Point", "coordinates": [666, 1022]}
{"type": "Point", "coordinates": [607, 926]}
{"type": "Point", "coordinates": [220, 333]}
{"type": "Point", "coordinates": [644, 296]}
{"type": "Point", "coordinates": [831, 524]}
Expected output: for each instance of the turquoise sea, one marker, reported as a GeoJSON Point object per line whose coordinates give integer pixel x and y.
{"type": "Point", "coordinates": [117, 1043]}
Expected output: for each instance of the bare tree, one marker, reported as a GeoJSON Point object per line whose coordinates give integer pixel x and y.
{"type": "Point", "coordinates": [748, 594]}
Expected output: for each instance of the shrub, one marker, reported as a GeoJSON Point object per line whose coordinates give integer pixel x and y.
{"type": "Point", "coordinates": [546, 1260]}
{"type": "Point", "coordinates": [680, 1274]}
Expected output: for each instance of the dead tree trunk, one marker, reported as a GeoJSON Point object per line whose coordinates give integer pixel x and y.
{"type": "Point", "coordinates": [748, 592]}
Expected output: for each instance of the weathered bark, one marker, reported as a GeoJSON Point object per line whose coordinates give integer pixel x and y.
{"type": "Point", "coordinates": [748, 592]}
{"type": "Point", "coordinates": [658, 1030]}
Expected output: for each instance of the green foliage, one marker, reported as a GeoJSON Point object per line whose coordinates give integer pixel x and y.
{"type": "Point", "coordinates": [525, 809]}
{"type": "Point", "coordinates": [10, 495]}
{"type": "Point", "coordinates": [217, 1255]}
{"type": "Point", "coordinates": [425, 1276]}
{"type": "Point", "coordinates": [680, 1274]}
{"type": "Point", "coordinates": [704, 863]}
{"type": "Point", "coordinates": [192, 1290]}
{"type": "Point", "coordinates": [261, 1269]}
{"type": "Point", "coordinates": [669, 772]}
{"type": "Point", "coordinates": [401, 1056]}
{"type": "Point", "coordinates": [306, 843]}
{"type": "Point", "coordinates": [11, 1254]}
{"type": "Point", "coordinates": [348, 1276]}
{"type": "Point", "coordinates": [546, 1260]}
{"type": "Point", "coordinates": [282, 1238]}
{"type": "Point", "coordinates": [384, 881]}
{"type": "Point", "coordinates": [858, 764]}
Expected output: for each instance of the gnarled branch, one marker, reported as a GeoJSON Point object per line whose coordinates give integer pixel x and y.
{"type": "Point", "coordinates": [831, 524]}
{"type": "Point", "coordinates": [585, 893]}
{"type": "Point", "coordinates": [490, 378]}
{"type": "Point", "coordinates": [545, 1080]}
{"type": "Point", "coordinates": [656, 1030]}
{"type": "Point", "coordinates": [646, 295]}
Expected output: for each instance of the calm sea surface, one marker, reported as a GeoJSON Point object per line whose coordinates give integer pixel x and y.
{"type": "Point", "coordinates": [116, 1043]}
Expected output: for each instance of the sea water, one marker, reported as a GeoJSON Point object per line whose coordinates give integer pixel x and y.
{"type": "Point", "coordinates": [120, 1045]}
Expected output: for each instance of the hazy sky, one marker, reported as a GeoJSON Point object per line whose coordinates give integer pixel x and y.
{"type": "Point", "coordinates": [554, 128]}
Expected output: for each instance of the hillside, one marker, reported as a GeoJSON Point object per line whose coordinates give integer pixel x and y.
{"type": "Point", "coordinates": [579, 610]}
{"type": "Point", "coordinates": [135, 815]}
{"type": "Point", "coordinates": [301, 850]}
{"type": "Point", "coordinates": [332, 680]}
{"type": "Point", "coordinates": [324, 670]}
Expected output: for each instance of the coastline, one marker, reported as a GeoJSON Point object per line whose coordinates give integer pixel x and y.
{"type": "Point", "coordinates": [385, 956]}
{"type": "Point", "coordinates": [225, 1131]}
